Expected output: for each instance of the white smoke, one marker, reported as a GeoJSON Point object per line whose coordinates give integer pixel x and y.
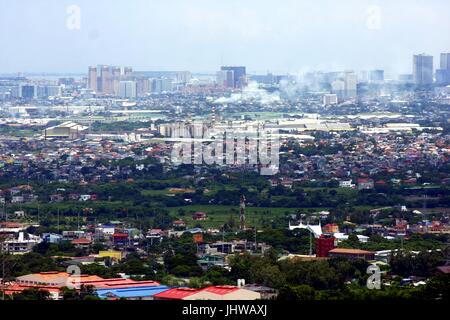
{"type": "Point", "coordinates": [251, 93]}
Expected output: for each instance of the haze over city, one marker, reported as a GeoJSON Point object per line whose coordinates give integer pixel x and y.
{"type": "Point", "coordinates": [291, 36]}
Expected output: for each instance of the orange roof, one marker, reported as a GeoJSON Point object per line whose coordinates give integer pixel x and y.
{"type": "Point", "coordinates": [16, 288]}
{"type": "Point", "coordinates": [50, 275]}
{"type": "Point", "coordinates": [54, 277]}
{"type": "Point", "coordinates": [81, 241]}
{"type": "Point", "coordinates": [349, 251]}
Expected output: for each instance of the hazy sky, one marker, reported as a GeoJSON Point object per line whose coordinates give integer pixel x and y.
{"type": "Point", "coordinates": [200, 35]}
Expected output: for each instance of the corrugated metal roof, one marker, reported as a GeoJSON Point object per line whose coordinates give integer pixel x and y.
{"type": "Point", "coordinates": [132, 292]}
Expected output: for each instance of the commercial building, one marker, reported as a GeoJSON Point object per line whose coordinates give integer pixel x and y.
{"type": "Point", "coordinates": [351, 81]}
{"type": "Point", "coordinates": [423, 69]}
{"type": "Point", "coordinates": [239, 78]}
{"type": "Point", "coordinates": [27, 91]}
{"type": "Point", "coordinates": [443, 74]}
{"type": "Point", "coordinates": [127, 89]}
{"type": "Point", "coordinates": [67, 130]}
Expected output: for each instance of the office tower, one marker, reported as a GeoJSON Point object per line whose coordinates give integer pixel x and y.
{"type": "Point", "coordinates": [239, 75]}
{"type": "Point", "coordinates": [127, 89]}
{"type": "Point", "coordinates": [443, 74]}
{"type": "Point", "coordinates": [445, 61]}
{"type": "Point", "coordinates": [27, 91]}
{"type": "Point", "coordinates": [376, 75]}
{"type": "Point", "coordinates": [423, 69]}
{"type": "Point", "coordinates": [351, 80]}
{"type": "Point", "coordinates": [329, 99]}
{"type": "Point", "coordinates": [225, 79]}
{"type": "Point", "coordinates": [92, 78]}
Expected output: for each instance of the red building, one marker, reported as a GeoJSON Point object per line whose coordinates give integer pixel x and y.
{"type": "Point", "coordinates": [120, 238]}
{"type": "Point", "coordinates": [324, 245]}
{"type": "Point", "coordinates": [199, 216]}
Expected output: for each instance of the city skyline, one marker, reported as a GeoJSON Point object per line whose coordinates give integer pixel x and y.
{"type": "Point", "coordinates": [291, 37]}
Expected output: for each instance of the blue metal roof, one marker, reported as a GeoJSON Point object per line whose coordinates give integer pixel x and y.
{"type": "Point", "coordinates": [135, 292]}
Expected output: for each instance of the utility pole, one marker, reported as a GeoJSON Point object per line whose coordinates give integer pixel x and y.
{"type": "Point", "coordinates": [242, 213]}
{"type": "Point", "coordinates": [223, 239]}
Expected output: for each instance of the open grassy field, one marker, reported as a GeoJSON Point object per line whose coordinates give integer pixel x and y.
{"type": "Point", "coordinates": [219, 215]}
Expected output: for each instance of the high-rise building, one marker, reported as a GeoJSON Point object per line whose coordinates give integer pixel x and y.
{"type": "Point", "coordinates": [351, 81]}
{"type": "Point", "coordinates": [183, 76]}
{"type": "Point", "coordinates": [142, 87]}
{"type": "Point", "coordinates": [445, 61]}
{"type": "Point", "coordinates": [48, 91]}
{"type": "Point", "coordinates": [127, 89]}
{"type": "Point", "coordinates": [92, 78]}
{"type": "Point", "coordinates": [443, 74]}
{"type": "Point", "coordinates": [225, 78]}
{"type": "Point", "coordinates": [106, 80]}
{"type": "Point", "coordinates": [116, 77]}
{"type": "Point", "coordinates": [423, 69]}
{"type": "Point", "coordinates": [239, 75]}
{"type": "Point", "coordinates": [28, 91]}
{"type": "Point", "coordinates": [161, 85]}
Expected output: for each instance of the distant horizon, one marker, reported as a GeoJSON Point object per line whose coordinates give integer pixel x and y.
{"type": "Point", "coordinates": [207, 72]}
